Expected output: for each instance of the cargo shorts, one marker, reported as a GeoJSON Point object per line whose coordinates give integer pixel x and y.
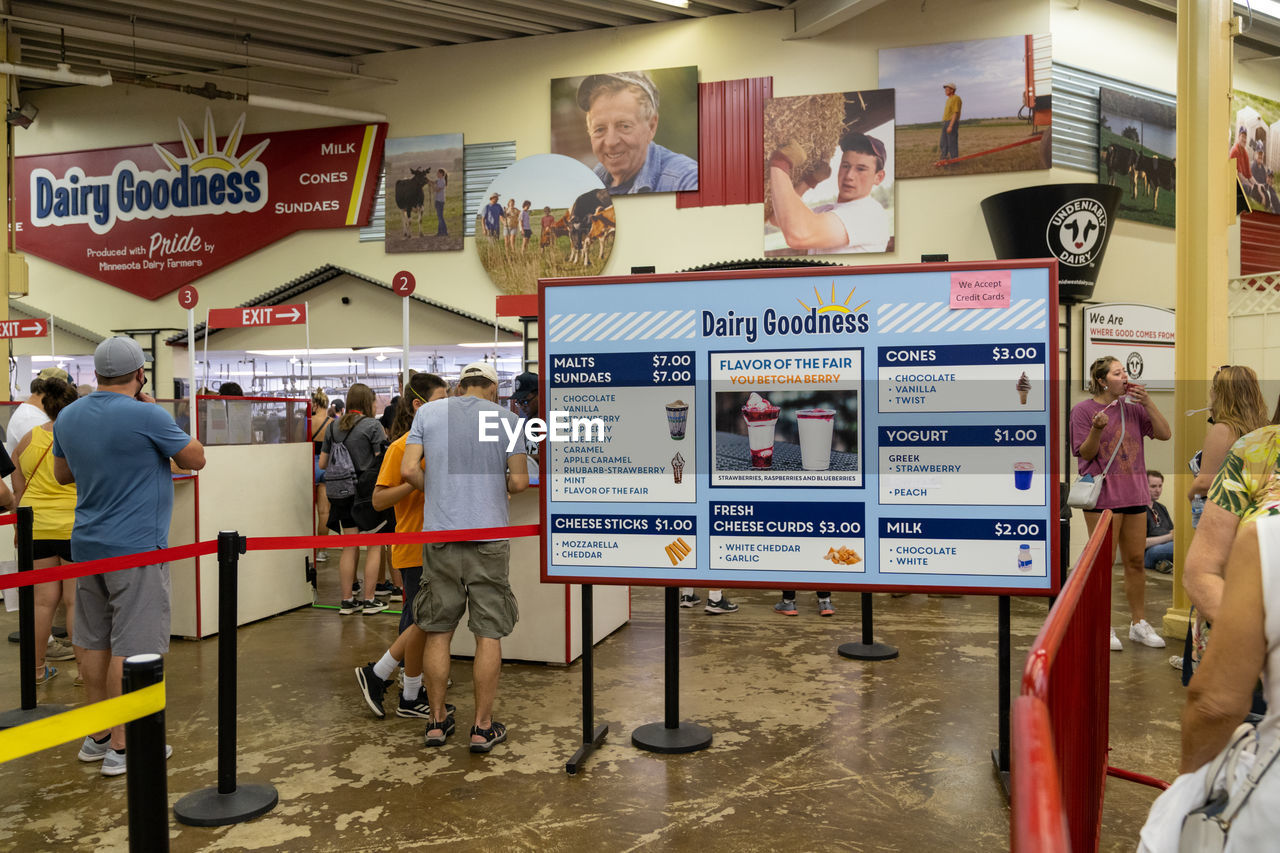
{"type": "Point", "coordinates": [471, 576]}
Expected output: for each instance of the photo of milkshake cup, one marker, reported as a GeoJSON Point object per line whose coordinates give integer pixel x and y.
{"type": "Point", "coordinates": [1022, 472]}
{"type": "Point", "coordinates": [677, 468]}
{"type": "Point", "coordinates": [1024, 558]}
{"type": "Point", "coordinates": [815, 427]}
{"type": "Point", "coordinates": [677, 417]}
{"type": "Point", "coordinates": [761, 417]}
{"type": "Point", "coordinates": [1024, 388]}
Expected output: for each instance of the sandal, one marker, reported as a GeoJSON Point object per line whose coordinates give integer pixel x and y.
{"type": "Point", "coordinates": [445, 727]}
{"type": "Point", "coordinates": [48, 673]}
{"type": "Point", "coordinates": [494, 735]}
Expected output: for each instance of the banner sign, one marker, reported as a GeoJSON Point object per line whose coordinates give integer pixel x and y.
{"type": "Point", "coordinates": [263, 315]}
{"type": "Point", "coordinates": [23, 328]}
{"type": "Point", "coordinates": [1141, 336]}
{"type": "Point", "coordinates": [842, 429]}
{"type": "Point", "coordinates": [151, 218]}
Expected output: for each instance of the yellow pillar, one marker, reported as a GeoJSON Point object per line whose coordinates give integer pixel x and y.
{"type": "Point", "coordinates": [5, 226]}
{"type": "Point", "coordinates": [1205, 206]}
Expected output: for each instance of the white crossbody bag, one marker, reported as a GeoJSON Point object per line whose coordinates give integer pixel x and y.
{"type": "Point", "coordinates": [1087, 487]}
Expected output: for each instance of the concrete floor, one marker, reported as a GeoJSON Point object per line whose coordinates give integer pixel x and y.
{"type": "Point", "coordinates": [811, 751]}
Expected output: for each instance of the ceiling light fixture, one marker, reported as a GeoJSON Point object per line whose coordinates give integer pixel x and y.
{"type": "Point", "coordinates": [682, 4]}
{"type": "Point", "coordinates": [491, 344]}
{"type": "Point", "coordinates": [268, 103]}
{"type": "Point", "coordinates": [61, 74]}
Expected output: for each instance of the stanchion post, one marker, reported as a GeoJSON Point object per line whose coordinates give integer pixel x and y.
{"type": "Point", "coordinates": [672, 736]}
{"type": "Point", "coordinates": [1000, 755]}
{"type": "Point", "coordinates": [868, 649]}
{"type": "Point", "coordinates": [592, 735]}
{"type": "Point", "coordinates": [27, 635]}
{"type": "Point", "coordinates": [148, 784]}
{"type": "Point", "coordinates": [228, 802]}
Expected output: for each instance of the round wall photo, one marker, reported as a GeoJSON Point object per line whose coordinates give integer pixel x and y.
{"type": "Point", "coordinates": [545, 216]}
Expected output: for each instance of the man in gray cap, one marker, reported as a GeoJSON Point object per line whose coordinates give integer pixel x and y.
{"type": "Point", "coordinates": [115, 445]}
{"type": "Point", "coordinates": [622, 118]}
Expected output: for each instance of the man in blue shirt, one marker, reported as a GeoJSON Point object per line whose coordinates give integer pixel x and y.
{"type": "Point", "coordinates": [492, 216]}
{"type": "Point", "coordinates": [115, 445]}
{"type": "Point", "coordinates": [622, 118]}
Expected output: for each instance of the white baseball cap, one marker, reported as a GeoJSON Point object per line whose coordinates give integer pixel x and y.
{"type": "Point", "coordinates": [482, 369]}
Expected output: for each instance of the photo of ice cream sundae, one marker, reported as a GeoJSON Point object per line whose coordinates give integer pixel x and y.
{"type": "Point", "coordinates": [761, 417]}
{"type": "Point", "coordinates": [1024, 388]}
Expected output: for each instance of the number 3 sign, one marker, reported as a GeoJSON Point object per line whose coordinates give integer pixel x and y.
{"type": "Point", "coordinates": [187, 296]}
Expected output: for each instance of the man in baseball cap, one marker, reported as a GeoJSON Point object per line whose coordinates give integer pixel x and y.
{"type": "Point", "coordinates": [949, 142]}
{"type": "Point", "coordinates": [116, 446]}
{"type": "Point", "coordinates": [473, 463]}
{"type": "Point", "coordinates": [622, 118]}
{"type": "Point", "coordinates": [492, 216]}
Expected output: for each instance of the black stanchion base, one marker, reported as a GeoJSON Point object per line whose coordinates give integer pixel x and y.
{"type": "Point", "coordinates": [1003, 774]}
{"type": "Point", "coordinates": [18, 716]}
{"type": "Point", "coordinates": [588, 747]}
{"type": "Point", "coordinates": [207, 807]}
{"type": "Point", "coordinates": [686, 737]}
{"type": "Point", "coordinates": [868, 651]}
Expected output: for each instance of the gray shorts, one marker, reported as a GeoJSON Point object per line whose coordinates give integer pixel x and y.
{"type": "Point", "coordinates": [126, 612]}
{"type": "Point", "coordinates": [469, 576]}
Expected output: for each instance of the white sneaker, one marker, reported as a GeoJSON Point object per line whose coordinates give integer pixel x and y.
{"type": "Point", "coordinates": [1143, 633]}
{"type": "Point", "coordinates": [1115, 642]}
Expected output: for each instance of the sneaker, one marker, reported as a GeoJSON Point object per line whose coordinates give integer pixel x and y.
{"type": "Point", "coordinates": [59, 650]}
{"type": "Point", "coordinates": [92, 750]}
{"type": "Point", "coordinates": [1164, 567]}
{"type": "Point", "coordinates": [1115, 642]}
{"type": "Point", "coordinates": [1175, 661]}
{"type": "Point", "coordinates": [825, 608]}
{"type": "Point", "coordinates": [787, 607]}
{"type": "Point", "coordinates": [494, 735]}
{"type": "Point", "coordinates": [47, 674]}
{"type": "Point", "coordinates": [377, 605]}
{"type": "Point", "coordinates": [373, 688]}
{"type": "Point", "coordinates": [384, 589]}
{"type": "Point", "coordinates": [418, 707]}
{"type": "Point", "coordinates": [690, 601]}
{"type": "Point", "coordinates": [113, 763]}
{"type": "Point", "coordinates": [1145, 634]}
{"type": "Point", "coordinates": [349, 606]}
{"type": "Point", "coordinates": [322, 556]}
{"type": "Point", "coordinates": [397, 594]}
{"type": "Point", "coordinates": [724, 605]}
{"type": "Point", "coordinates": [445, 728]}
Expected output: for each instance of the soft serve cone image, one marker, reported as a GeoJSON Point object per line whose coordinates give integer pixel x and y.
{"type": "Point", "coordinates": [677, 467]}
{"type": "Point", "coordinates": [1024, 388]}
{"type": "Point", "coordinates": [761, 417]}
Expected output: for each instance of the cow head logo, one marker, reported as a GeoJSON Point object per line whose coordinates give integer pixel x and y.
{"type": "Point", "coordinates": [1076, 231]}
{"type": "Point", "coordinates": [1133, 365]}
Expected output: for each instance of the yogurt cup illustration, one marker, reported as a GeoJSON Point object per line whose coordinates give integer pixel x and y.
{"type": "Point", "coordinates": [761, 417]}
{"type": "Point", "coordinates": [1022, 472]}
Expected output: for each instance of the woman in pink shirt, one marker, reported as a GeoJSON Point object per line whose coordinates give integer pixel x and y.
{"type": "Point", "coordinates": [1114, 422]}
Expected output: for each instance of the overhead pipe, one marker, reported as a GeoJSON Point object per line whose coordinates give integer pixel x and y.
{"type": "Point", "coordinates": [61, 74]}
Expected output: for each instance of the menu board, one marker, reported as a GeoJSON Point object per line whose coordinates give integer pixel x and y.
{"type": "Point", "coordinates": [832, 428]}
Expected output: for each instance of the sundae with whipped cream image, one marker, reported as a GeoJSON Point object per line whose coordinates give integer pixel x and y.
{"type": "Point", "coordinates": [761, 417]}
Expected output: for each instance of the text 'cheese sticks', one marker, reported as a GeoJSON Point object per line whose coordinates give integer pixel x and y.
{"type": "Point", "coordinates": [671, 555]}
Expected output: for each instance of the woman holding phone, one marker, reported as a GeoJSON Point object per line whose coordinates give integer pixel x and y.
{"type": "Point", "coordinates": [1107, 432]}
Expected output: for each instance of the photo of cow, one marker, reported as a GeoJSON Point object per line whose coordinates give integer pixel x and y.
{"type": "Point", "coordinates": [1255, 130]}
{"type": "Point", "coordinates": [425, 189]}
{"type": "Point", "coordinates": [544, 216]}
{"type": "Point", "coordinates": [1137, 149]}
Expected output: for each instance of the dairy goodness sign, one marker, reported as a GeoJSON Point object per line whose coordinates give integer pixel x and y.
{"type": "Point", "coordinates": [149, 219]}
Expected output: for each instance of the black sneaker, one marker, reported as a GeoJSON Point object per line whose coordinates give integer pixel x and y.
{"type": "Point", "coordinates": [349, 606]}
{"type": "Point", "coordinates": [397, 594]}
{"type": "Point", "coordinates": [384, 589]}
{"type": "Point", "coordinates": [375, 605]}
{"type": "Point", "coordinates": [373, 688]}
{"type": "Point", "coordinates": [447, 727]}
{"type": "Point", "coordinates": [724, 605]}
{"type": "Point", "coordinates": [419, 707]}
{"type": "Point", "coordinates": [690, 601]}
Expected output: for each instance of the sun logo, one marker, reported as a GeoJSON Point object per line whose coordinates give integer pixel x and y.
{"type": "Point", "coordinates": [827, 307]}
{"type": "Point", "coordinates": [210, 157]}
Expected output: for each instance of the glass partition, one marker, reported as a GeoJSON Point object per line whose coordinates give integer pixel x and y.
{"type": "Point", "coordinates": [250, 420]}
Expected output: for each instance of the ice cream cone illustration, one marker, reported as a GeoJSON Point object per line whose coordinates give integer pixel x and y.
{"type": "Point", "coordinates": [677, 468]}
{"type": "Point", "coordinates": [1024, 388]}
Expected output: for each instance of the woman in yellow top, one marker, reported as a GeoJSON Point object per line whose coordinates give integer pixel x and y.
{"type": "Point", "coordinates": [54, 512]}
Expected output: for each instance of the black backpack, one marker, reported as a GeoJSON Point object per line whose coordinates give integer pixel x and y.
{"type": "Point", "coordinates": [340, 474]}
{"type": "Point", "coordinates": [362, 512]}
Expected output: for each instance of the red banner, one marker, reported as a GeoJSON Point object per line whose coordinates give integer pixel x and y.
{"type": "Point", "coordinates": [24, 328]}
{"type": "Point", "coordinates": [151, 218]}
{"type": "Point", "coordinates": [266, 315]}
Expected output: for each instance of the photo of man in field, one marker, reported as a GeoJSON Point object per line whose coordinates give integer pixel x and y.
{"type": "Point", "coordinates": [424, 192]}
{"type": "Point", "coordinates": [971, 107]}
{"type": "Point", "coordinates": [1137, 147]}
{"type": "Point", "coordinates": [576, 227]}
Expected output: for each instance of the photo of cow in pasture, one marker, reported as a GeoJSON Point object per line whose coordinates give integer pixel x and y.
{"type": "Point", "coordinates": [424, 193]}
{"type": "Point", "coordinates": [545, 216]}
{"type": "Point", "coordinates": [1137, 145]}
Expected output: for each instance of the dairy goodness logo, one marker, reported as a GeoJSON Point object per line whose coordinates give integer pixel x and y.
{"type": "Point", "coordinates": [1075, 232]}
{"type": "Point", "coordinates": [202, 182]}
{"type": "Point", "coordinates": [822, 318]}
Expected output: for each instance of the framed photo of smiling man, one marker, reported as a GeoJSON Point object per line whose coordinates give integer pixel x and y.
{"type": "Point", "coordinates": [638, 130]}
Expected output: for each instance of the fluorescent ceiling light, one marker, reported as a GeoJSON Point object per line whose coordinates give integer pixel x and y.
{"type": "Point", "coordinates": [681, 4]}
{"type": "Point", "coordinates": [269, 103]}
{"type": "Point", "coordinates": [323, 351]}
{"type": "Point", "coordinates": [489, 344]}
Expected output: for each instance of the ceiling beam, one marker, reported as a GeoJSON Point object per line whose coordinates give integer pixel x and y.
{"type": "Point", "coordinates": [815, 17]}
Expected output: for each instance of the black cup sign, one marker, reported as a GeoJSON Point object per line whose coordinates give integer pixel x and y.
{"type": "Point", "coordinates": [1070, 222]}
